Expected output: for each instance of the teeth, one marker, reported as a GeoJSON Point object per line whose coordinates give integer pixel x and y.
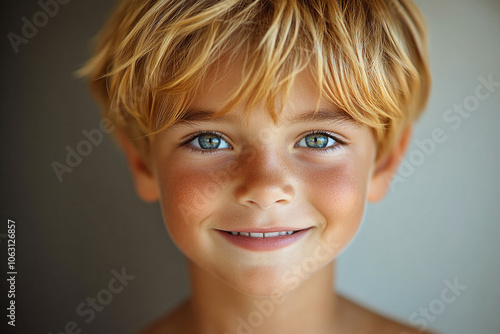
{"type": "Point", "coordinates": [262, 235]}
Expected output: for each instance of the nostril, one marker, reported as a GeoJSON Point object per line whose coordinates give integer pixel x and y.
{"type": "Point", "coordinates": [264, 194]}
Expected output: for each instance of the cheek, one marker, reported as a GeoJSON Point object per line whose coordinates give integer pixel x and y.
{"type": "Point", "coordinates": [187, 197]}
{"type": "Point", "coordinates": [339, 194]}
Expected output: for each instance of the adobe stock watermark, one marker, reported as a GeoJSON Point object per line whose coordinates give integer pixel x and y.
{"type": "Point", "coordinates": [92, 305]}
{"type": "Point", "coordinates": [437, 306]}
{"type": "Point", "coordinates": [265, 308]}
{"type": "Point", "coordinates": [30, 27]}
{"type": "Point", "coordinates": [84, 147]}
{"type": "Point", "coordinates": [453, 117]}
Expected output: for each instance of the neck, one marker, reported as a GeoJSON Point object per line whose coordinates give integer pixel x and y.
{"type": "Point", "coordinates": [216, 308]}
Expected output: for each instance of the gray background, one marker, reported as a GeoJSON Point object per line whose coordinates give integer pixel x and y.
{"type": "Point", "coordinates": [440, 224]}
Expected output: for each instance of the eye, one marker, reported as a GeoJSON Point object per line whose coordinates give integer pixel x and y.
{"type": "Point", "coordinates": [205, 142]}
{"type": "Point", "coordinates": [323, 141]}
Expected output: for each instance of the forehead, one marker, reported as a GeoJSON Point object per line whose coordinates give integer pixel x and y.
{"type": "Point", "coordinates": [221, 82]}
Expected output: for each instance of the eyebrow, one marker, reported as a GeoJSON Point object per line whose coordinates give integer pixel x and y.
{"type": "Point", "coordinates": [197, 115]}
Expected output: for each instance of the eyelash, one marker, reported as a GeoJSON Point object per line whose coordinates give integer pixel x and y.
{"type": "Point", "coordinates": [339, 143]}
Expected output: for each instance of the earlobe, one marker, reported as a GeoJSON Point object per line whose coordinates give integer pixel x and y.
{"type": "Point", "coordinates": [387, 166]}
{"type": "Point", "coordinates": [146, 185]}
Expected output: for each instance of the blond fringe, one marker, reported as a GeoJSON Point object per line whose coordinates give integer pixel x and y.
{"type": "Point", "coordinates": [368, 57]}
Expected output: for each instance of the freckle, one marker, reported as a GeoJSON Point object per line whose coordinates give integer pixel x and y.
{"type": "Point", "coordinates": [221, 177]}
{"type": "Point", "coordinates": [211, 189]}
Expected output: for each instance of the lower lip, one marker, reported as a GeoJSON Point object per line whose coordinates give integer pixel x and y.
{"type": "Point", "coordinates": [263, 244]}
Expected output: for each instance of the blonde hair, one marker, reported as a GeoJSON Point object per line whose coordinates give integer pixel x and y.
{"type": "Point", "coordinates": [369, 58]}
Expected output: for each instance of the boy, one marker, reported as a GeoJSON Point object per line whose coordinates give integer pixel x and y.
{"type": "Point", "coordinates": [262, 128]}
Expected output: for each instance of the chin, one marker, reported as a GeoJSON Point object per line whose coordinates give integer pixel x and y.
{"type": "Point", "coordinates": [263, 282]}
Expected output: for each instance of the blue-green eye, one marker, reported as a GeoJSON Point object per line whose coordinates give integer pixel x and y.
{"type": "Point", "coordinates": [207, 141]}
{"type": "Point", "coordinates": [318, 140]}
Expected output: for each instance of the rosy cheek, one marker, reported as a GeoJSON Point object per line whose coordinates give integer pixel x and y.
{"type": "Point", "coordinates": [338, 193]}
{"type": "Point", "coordinates": [186, 196]}
{"type": "Point", "coordinates": [190, 194]}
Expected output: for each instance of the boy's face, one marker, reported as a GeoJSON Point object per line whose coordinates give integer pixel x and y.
{"type": "Point", "coordinates": [263, 175]}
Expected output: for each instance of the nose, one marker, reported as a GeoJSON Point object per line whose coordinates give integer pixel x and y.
{"type": "Point", "coordinates": [266, 182]}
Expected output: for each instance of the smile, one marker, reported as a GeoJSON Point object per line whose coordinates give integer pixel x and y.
{"type": "Point", "coordinates": [263, 241]}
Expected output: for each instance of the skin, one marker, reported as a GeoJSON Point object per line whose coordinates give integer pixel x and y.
{"type": "Point", "coordinates": [264, 174]}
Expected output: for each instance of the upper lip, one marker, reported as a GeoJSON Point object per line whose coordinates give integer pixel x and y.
{"type": "Point", "coordinates": [267, 229]}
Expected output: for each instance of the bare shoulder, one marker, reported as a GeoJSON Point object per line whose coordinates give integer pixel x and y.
{"type": "Point", "coordinates": [172, 322]}
{"type": "Point", "coordinates": [354, 318]}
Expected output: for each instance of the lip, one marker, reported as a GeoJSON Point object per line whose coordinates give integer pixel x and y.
{"type": "Point", "coordinates": [264, 244]}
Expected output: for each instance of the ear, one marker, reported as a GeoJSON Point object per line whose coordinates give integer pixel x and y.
{"type": "Point", "coordinates": [145, 182]}
{"type": "Point", "coordinates": [387, 166]}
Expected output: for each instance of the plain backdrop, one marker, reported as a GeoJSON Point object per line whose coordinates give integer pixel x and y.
{"type": "Point", "coordinates": [440, 222]}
